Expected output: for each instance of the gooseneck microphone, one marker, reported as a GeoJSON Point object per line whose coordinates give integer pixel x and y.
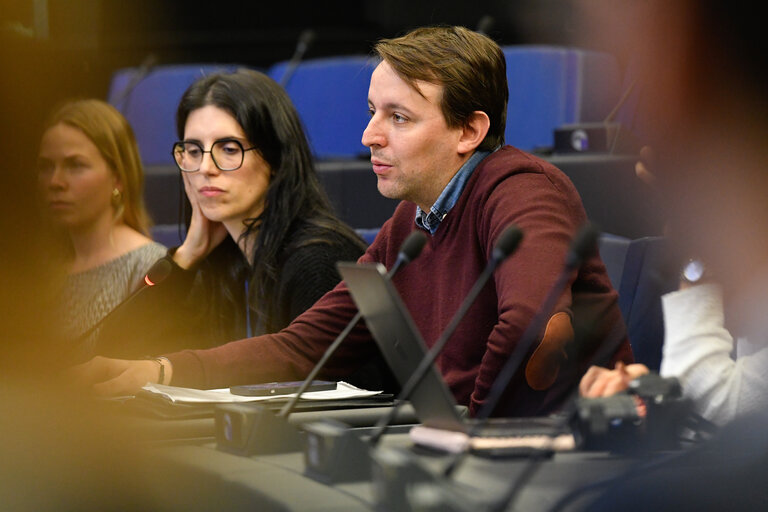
{"type": "Point", "coordinates": [507, 243]}
{"type": "Point", "coordinates": [583, 244]}
{"type": "Point", "coordinates": [306, 38]}
{"type": "Point", "coordinates": [409, 251]}
{"type": "Point", "coordinates": [485, 24]}
{"type": "Point", "coordinates": [156, 274]}
{"type": "Point", "coordinates": [147, 65]}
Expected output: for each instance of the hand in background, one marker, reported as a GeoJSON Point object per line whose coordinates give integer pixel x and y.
{"type": "Point", "coordinates": [644, 165]}
{"type": "Point", "coordinates": [600, 382]}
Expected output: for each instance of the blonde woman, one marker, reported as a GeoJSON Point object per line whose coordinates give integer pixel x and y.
{"type": "Point", "coordinates": [91, 182]}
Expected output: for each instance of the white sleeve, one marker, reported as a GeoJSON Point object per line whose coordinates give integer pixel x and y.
{"type": "Point", "coordinates": [697, 350]}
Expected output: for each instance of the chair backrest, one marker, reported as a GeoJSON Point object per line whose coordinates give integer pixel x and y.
{"type": "Point", "coordinates": [368, 234]}
{"type": "Point", "coordinates": [550, 86]}
{"type": "Point", "coordinates": [170, 235]}
{"type": "Point", "coordinates": [613, 252]}
{"type": "Point", "coordinates": [149, 97]}
{"type": "Point", "coordinates": [650, 271]}
{"type": "Point", "coordinates": [331, 96]}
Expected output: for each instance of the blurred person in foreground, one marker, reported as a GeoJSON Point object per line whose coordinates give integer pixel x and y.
{"type": "Point", "coordinates": [706, 89]}
{"type": "Point", "coordinates": [59, 452]}
{"type": "Point", "coordinates": [91, 185]}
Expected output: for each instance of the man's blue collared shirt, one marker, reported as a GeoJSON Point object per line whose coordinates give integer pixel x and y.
{"type": "Point", "coordinates": [429, 221]}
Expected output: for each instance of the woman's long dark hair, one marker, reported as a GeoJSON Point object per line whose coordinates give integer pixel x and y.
{"type": "Point", "coordinates": [294, 199]}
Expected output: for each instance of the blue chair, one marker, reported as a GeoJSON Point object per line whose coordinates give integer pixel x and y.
{"type": "Point", "coordinates": [368, 234]}
{"type": "Point", "coordinates": [148, 98]}
{"type": "Point", "coordinates": [550, 86]}
{"type": "Point", "coordinates": [613, 252]}
{"type": "Point", "coordinates": [170, 235]}
{"type": "Point", "coordinates": [331, 96]}
{"type": "Point", "coordinates": [650, 270]}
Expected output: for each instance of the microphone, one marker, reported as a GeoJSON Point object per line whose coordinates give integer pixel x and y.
{"type": "Point", "coordinates": [144, 69]}
{"type": "Point", "coordinates": [156, 274]}
{"type": "Point", "coordinates": [306, 38]}
{"type": "Point", "coordinates": [581, 247]}
{"type": "Point", "coordinates": [624, 97]}
{"type": "Point", "coordinates": [485, 24]}
{"type": "Point", "coordinates": [507, 243]}
{"type": "Point", "coordinates": [409, 251]}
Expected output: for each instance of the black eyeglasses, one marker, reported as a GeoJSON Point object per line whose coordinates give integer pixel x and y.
{"type": "Point", "coordinates": [227, 155]}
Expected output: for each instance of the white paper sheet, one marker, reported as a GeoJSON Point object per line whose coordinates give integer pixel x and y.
{"type": "Point", "coordinates": [207, 396]}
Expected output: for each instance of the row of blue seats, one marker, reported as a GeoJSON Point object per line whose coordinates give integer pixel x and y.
{"type": "Point", "coordinates": [549, 86]}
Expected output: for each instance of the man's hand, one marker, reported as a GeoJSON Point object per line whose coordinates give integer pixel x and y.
{"type": "Point", "coordinates": [599, 382]}
{"type": "Point", "coordinates": [115, 377]}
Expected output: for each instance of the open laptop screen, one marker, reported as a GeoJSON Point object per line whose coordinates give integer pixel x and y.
{"type": "Point", "coordinates": [398, 338]}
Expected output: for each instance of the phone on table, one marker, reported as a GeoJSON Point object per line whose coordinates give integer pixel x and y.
{"type": "Point", "coordinates": [280, 388]}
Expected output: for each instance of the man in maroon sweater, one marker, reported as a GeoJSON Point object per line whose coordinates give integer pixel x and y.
{"type": "Point", "coordinates": [438, 104]}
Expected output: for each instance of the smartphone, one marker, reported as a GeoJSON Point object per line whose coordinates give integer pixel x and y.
{"type": "Point", "coordinates": [280, 388]}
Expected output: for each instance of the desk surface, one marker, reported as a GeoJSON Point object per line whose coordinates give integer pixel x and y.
{"type": "Point", "coordinates": [202, 477]}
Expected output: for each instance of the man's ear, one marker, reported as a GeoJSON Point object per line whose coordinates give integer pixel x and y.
{"type": "Point", "coordinates": [474, 131]}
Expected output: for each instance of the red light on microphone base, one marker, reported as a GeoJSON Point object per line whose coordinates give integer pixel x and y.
{"type": "Point", "coordinates": [148, 281]}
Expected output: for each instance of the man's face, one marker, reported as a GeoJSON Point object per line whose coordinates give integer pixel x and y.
{"type": "Point", "coordinates": [413, 152]}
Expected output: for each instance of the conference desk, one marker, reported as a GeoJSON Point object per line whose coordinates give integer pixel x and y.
{"type": "Point", "coordinates": [201, 477]}
{"type": "Point", "coordinates": [190, 472]}
{"type": "Point", "coordinates": [161, 425]}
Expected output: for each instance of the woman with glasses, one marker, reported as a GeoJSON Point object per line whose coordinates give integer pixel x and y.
{"type": "Point", "coordinates": [91, 183]}
{"type": "Point", "coordinates": [262, 241]}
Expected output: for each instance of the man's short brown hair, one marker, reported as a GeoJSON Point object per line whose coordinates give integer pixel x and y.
{"type": "Point", "coordinates": [469, 66]}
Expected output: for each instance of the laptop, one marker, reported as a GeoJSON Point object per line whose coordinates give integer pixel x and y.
{"type": "Point", "coordinates": [403, 348]}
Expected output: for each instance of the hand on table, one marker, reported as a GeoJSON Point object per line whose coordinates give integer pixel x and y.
{"type": "Point", "coordinates": [116, 377]}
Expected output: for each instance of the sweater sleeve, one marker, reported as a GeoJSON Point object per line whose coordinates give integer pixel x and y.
{"type": "Point", "coordinates": [697, 350]}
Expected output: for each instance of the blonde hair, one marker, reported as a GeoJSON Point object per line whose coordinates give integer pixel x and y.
{"type": "Point", "coordinates": [106, 127]}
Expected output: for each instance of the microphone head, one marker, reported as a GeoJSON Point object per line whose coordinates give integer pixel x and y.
{"type": "Point", "coordinates": [412, 246]}
{"type": "Point", "coordinates": [485, 24]}
{"type": "Point", "coordinates": [158, 272]}
{"type": "Point", "coordinates": [306, 38]}
{"type": "Point", "coordinates": [507, 242]}
{"type": "Point", "coordinates": [584, 243]}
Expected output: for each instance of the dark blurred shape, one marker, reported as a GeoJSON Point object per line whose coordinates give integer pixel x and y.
{"type": "Point", "coordinates": [60, 450]}
{"type": "Point", "coordinates": [705, 111]}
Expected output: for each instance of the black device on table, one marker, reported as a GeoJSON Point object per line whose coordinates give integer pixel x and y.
{"type": "Point", "coordinates": [280, 388]}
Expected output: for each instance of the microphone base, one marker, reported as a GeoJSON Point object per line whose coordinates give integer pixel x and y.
{"type": "Point", "coordinates": [252, 429]}
{"type": "Point", "coordinates": [335, 454]}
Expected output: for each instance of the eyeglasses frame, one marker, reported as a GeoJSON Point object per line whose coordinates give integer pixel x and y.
{"type": "Point", "coordinates": [210, 151]}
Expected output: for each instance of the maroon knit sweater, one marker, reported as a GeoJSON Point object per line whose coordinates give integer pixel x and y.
{"type": "Point", "coordinates": [509, 186]}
